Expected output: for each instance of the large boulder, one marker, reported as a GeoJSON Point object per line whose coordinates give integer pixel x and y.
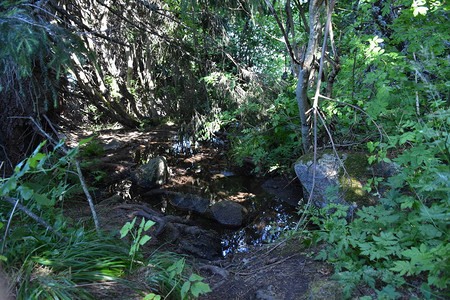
{"type": "Point", "coordinates": [152, 174]}
{"type": "Point", "coordinates": [228, 213]}
{"type": "Point", "coordinates": [340, 180]}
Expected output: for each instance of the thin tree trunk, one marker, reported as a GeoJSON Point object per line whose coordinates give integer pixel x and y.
{"type": "Point", "coordinates": [315, 9]}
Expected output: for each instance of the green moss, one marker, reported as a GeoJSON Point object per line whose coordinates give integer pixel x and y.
{"type": "Point", "coordinates": [325, 289]}
{"type": "Point", "coordinates": [310, 156]}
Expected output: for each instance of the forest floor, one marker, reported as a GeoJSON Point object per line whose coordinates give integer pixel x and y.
{"type": "Point", "coordinates": [281, 270]}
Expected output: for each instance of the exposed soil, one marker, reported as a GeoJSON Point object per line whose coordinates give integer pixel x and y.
{"type": "Point", "coordinates": [281, 270]}
{"type": "Point", "coordinates": [276, 271]}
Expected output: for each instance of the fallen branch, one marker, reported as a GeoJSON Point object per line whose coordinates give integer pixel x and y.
{"type": "Point", "coordinates": [29, 213]}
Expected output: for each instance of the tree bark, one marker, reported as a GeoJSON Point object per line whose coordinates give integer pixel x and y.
{"type": "Point", "coordinates": [304, 105]}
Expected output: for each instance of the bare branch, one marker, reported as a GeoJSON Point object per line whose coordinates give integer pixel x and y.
{"type": "Point", "coordinates": [29, 213]}
{"type": "Point", "coordinates": [286, 38]}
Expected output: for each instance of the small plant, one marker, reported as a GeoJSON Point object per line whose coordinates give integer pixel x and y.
{"type": "Point", "coordinates": [91, 148]}
{"type": "Point", "coordinates": [138, 239]}
{"type": "Point", "coordinates": [193, 286]}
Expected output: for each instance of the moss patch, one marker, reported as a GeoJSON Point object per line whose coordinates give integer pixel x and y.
{"type": "Point", "coordinates": [325, 289]}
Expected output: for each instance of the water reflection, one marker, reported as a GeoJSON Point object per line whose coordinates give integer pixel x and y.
{"type": "Point", "coordinates": [203, 169]}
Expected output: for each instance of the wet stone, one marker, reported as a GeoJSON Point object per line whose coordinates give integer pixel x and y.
{"type": "Point", "coordinates": [190, 202]}
{"type": "Point", "coordinates": [228, 213]}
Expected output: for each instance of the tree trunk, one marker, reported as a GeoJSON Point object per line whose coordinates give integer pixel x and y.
{"type": "Point", "coordinates": [315, 11]}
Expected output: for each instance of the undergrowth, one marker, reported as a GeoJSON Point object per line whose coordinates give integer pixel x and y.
{"type": "Point", "coordinates": [403, 242]}
{"type": "Point", "coordinates": [47, 257]}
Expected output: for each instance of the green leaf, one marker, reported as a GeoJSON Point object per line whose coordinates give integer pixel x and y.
{"type": "Point", "coordinates": [144, 240]}
{"type": "Point", "coordinates": [177, 267]}
{"type": "Point", "coordinates": [149, 224]}
{"type": "Point", "coordinates": [185, 289]}
{"type": "Point", "coordinates": [43, 200]}
{"type": "Point", "coordinates": [199, 287]}
{"type": "Point", "coordinates": [34, 160]}
{"type": "Point", "coordinates": [85, 141]}
{"type": "Point", "coordinates": [152, 296]}
{"type": "Point", "coordinates": [403, 267]}
{"type": "Point", "coordinates": [407, 136]}
{"type": "Point", "coordinates": [25, 192]}
{"type": "Point", "coordinates": [195, 277]}
{"type": "Point", "coordinates": [8, 186]}
{"type": "Point", "coordinates": [126, 228]}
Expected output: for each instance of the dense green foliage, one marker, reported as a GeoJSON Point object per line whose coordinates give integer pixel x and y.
{"type": "Point", "coordinates": [399, 76]}
{"type": "Point", "coordinates": [224, 66]}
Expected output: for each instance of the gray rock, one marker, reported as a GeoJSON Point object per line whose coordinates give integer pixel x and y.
{"type": "Point", "coordinates": [154, 173]}
{"type": "Point", "coordinates": [326, 185]}
{"type": "Point", "coordinates": [190, 202]}
{"type": "Point", "coordinates": [334, 185]}
{"type": "Point", "coordinates": [228, 213]}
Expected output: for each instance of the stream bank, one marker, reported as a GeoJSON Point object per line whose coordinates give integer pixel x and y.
{"type": "Point", "coordinates": [238, 262]}
{"type": "Point", "coordinates": [197, 172]}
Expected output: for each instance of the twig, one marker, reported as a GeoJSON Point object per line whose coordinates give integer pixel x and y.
{"type": "Point", "coordinates": [361, 110]}
{"type": "Point", "coordinates": [6, 156]}
{"type": "Point", "coordinates": [9, 223]}
{"type": "Point", "coordinates": [29, 213]}
{"type": "Point", "coordinates": [286, 38]}
{"type": "Point", "coordinates": [265, 268]}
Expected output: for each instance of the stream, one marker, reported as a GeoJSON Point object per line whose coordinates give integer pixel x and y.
{"type": "Point", "coordinates": [204, 169]}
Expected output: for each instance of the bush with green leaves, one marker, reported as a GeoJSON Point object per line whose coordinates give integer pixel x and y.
{"type": "Point", "coordinates": [405, 238]}
{"type": "Point", "coordinates": [273, 141]}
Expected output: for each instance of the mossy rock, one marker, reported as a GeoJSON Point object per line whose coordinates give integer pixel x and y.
{"type": "Point", "coordinates": [152, 174]}
{"type": "Point", "coordinates": [340, 180]}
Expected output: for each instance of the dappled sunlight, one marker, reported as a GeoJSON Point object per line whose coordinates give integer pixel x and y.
{"type": "Point", "coordinates": [199, 169]}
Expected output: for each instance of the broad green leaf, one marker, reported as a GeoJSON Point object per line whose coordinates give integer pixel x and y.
{"type": "Point", "coordinates": [8, 186]}
{"type": "Point", "coordinates": [149, 224]}
{"type": "Point", "coordinates": [403, 267]}
{"type": "Point", "coordinates": [124, 231]}
{"type": "Point", "coordinates": [152, 296]}
{"type": "Point", "coordinates": [25, 192]}
{"type": "Point", "coordinates": [199, 287]}
{"type": "Point", "coordinates": [144, 240]}
{"type": "Point", "coordinates": [85, 141]}
{"type": "Point", "coordinates": [21, 168]}
{"type": "Point", "coordinates": [33, 161]}
{"type": "Point", "coordinates": [185, 289]}
{"type": "Point", "coordinates": [195, 277]}
{"type": "Point", "coordinates": [126, 228]}
{"type": "Point", "coordinates": [407, 136]}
